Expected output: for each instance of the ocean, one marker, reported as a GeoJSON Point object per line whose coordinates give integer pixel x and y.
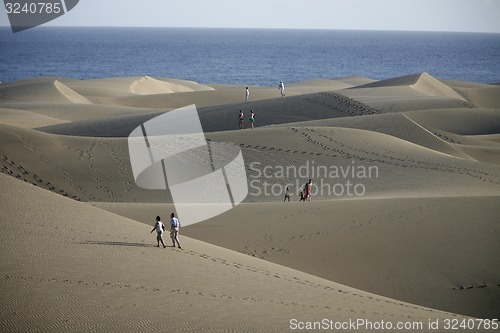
{"type": "Point", "coordinates": [246, 56]}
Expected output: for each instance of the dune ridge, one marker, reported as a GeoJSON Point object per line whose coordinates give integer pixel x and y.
{"type": "Point", "coordinates": [37, 90]}
{"type": "Point", "coordinates": [434, 87]}
{"type": "Point", "coordinates": [70, 94]}
{"type": "Point", "coordinates": [151, 86]}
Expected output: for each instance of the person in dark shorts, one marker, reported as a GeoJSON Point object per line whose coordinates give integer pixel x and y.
{"type": "Point", "coordinates": [252, 119]}
{"type": "Point", "coordinates": [241, 119]}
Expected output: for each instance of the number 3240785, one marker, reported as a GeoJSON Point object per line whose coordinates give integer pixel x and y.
{"type": "Point", "coordinates": [33, 8]}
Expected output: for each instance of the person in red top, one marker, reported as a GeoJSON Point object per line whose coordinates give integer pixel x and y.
{"type": "Point", "coordinates": [307, 190]}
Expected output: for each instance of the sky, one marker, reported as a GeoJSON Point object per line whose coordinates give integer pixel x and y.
{"type": "Point", "coordinates": [415, 15]}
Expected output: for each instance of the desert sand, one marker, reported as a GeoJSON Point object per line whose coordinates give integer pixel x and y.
{"type": "Point", "coordinates": [413, 238]}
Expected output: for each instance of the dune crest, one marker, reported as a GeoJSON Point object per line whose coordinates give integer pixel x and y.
{"type": "Point", "coordinates": [433, 87]}
{"type": "Point", "coordinates": [151, 86]}
{"type": "Point", "coordinates": [70, 94]}
{"type": "Point", "coordinates": [422, 82]}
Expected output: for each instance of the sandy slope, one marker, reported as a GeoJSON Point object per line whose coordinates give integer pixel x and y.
{"type": "Point", "coordinates": [40, 90]}
{"type": "Point", "coordinates": [425, 231]}
{"type": "Point", "coordinates": [224, 117]}
{"type": "Point", "coordinates": [401, 248]}
{"type": "Point", "coordinates": [408, 93]}
{"type": "Point", "coordinates": [67, 266]}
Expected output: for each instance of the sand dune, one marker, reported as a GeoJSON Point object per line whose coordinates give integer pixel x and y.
{"type": "Point", "coordinates": [77, 112]}
{"type": "Point", "coordinates": [200, 98]}
{"type": "Point", "coordinates": [485, 97]}
{"type": "Point", "coordinates": [83, 269]}
{"type": "Point", "coordinates": [116, 126]}
{"type": "Point", "coordinates": [70, 94]}
{"type": "Point", "coordinates": [224, 117]}
{"type": "Point", "coordinates": [434, 87]}
{"type": "Point", "coordinates": [98, 169]}
{"type": "Point", "coordinates": [312, 86]}
{"type": "Point", "coordinates": [401, 248]}
{"type": "Point", "coordinates": [81, 168]}
{"type": "Point", "coordinates": [425, 152]}
{"type": "Point", "coordinates": [422, 82]}
{"type": "Point", "coordinates": [460, 121]}
{"type": "Point", "coordinates": [408, 93]}
{"type": "Point", "coordinates": [27, 119]}
{"type": "Point", "coordinates": [404, 169]}
{"type": "Point", "coordinates": [151, 86]}
{"type": "Point", "coordinates": [39, 90]}
{"type": "Point", "coordinates": [398, 125]}
{"type": "Point", "coordinates": [128, 86]}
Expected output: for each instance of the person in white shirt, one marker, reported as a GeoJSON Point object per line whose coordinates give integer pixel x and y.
{"type": "Point", "coordinates": [159, 227]}
{"type": "Point", "coordinates": [287, 194]}
{"type": "Point", "coordinates": [281, 86]}
{"type": "Point", "coordinates": [174, 230]}
{"type": "Point", "coordinates": [247, 94]}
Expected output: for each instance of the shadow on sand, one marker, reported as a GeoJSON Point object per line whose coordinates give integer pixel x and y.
{"type": "Point", "coordinates": [118, 244]}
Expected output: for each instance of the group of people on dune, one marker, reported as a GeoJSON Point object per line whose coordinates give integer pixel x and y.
{"type": "Point", "coordinates": [305, 194]}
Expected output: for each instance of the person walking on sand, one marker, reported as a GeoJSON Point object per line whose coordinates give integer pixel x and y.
{"type": "Point", "coordinates": [287, 194]}
{"type": "Point", "coordinates": [174, 230]}
{"type": "Point", "coordinates": [252, 119]}
{"type": "Point", "coordinates": [307, 190]}
{"type": "Point", "coordinates": [281, 86]}
{"type": "Point", "coordinates": [302, 196]}
{"type": "Point", "coordinates": [160, 228]}
{"type": "Point", "coordinates": [247, 94]}
{"type": "Point", "coordinates": [241, 118]}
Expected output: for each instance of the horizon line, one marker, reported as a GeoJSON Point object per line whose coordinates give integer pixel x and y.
{"type": "Point", "coordinates": [260, 28]}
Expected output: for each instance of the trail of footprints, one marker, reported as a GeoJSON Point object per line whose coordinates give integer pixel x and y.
{"type": "Point", "coordinates": [45, 159]}
{"type": "Point", "coordinates": [52, 232]}
{"type": "Point", "coordinates": [342, 104]}
{"type": "Point", "coordinates": [373, 157]}
{"type": "Point", "coordinates": [446, 138]}
{"type": "Point", "coordinates": [299, 281]}
{"type": "Point", "coordinates": [474, 286]}
{"type": "Point", "coordinates": [10, 168]}
{"type": "Point", "coordinates": [402, 162]}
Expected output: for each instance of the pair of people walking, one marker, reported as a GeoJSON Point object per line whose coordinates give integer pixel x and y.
{"type": "Point", "coordinates": [241, 119]}
{"type": "Point", "coordinates": [174, 231]}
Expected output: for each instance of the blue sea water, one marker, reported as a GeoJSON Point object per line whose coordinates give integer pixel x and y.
{"type": "Point", "coordinates": [246, 56]}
